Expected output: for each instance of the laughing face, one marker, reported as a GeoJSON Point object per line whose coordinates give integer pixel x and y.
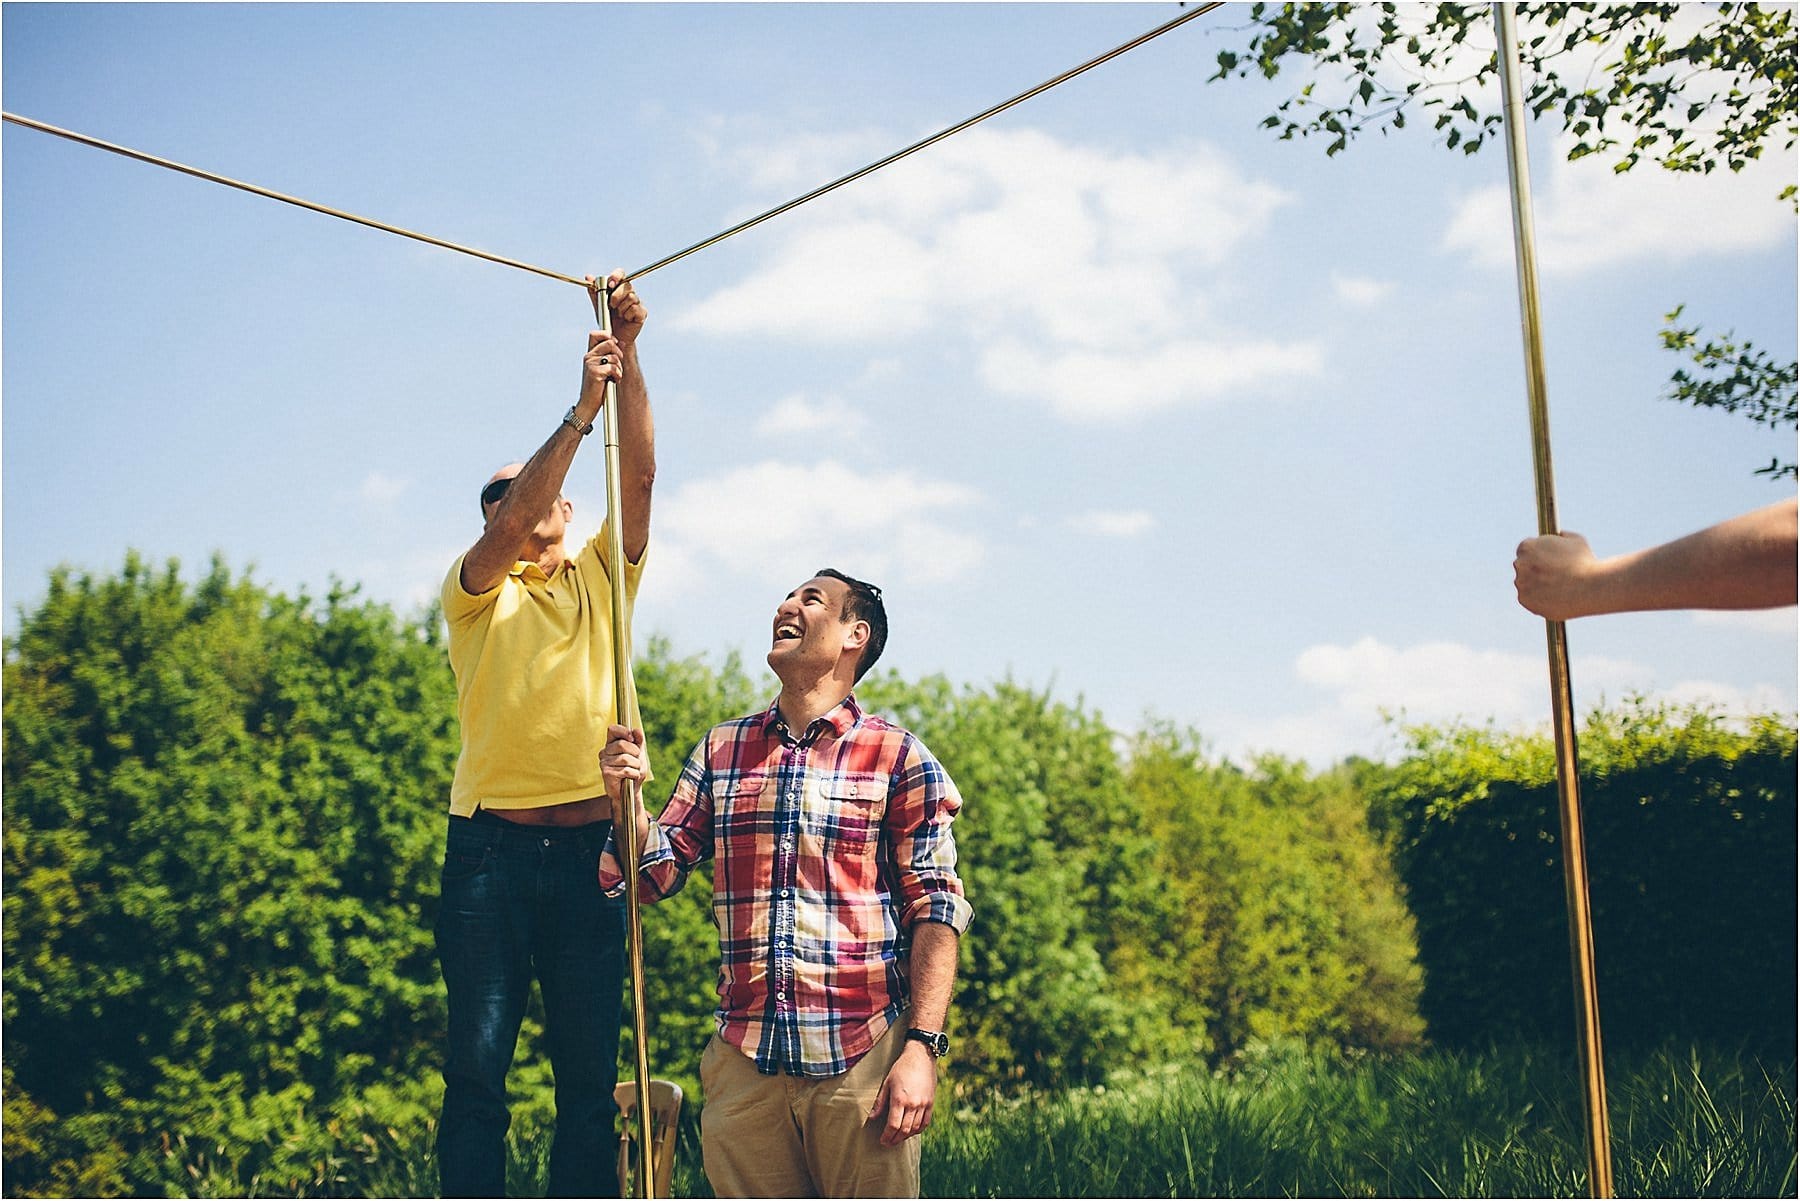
{"type": "Point", "coordinates": [810, 633]}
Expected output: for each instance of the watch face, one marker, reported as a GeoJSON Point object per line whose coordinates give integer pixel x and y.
{"type": "Point", "coordinates": [935, 1041]}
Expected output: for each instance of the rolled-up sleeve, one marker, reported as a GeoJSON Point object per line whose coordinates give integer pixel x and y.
{"type": "Point", "coordinates": [922, 804]}
{"type": "Point", "coordinates": [680, 839]}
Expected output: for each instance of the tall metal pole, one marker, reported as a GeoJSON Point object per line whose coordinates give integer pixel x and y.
{"type": "Point", "coordinates": [625, 823]}
{"type": "Point", "coordinates": [1568, 784]}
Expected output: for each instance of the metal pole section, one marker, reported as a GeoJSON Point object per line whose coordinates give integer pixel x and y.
{"type": "Point", "coordinates": [625, 823]}
{"type": "Point", "coordinates": [1568, 786]}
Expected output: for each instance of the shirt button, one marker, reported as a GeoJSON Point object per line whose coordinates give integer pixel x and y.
{"type": "Point", "coordinates": [546, 842]}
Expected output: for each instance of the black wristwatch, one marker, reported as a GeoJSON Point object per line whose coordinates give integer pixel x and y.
{"type": "Point", "coordinates": [936, 1041]}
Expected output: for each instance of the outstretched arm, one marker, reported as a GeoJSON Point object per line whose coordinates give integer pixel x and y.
{"type": "Point", "coordinates": [1746, 562]}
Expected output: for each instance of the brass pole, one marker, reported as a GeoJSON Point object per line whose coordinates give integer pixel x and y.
{"type": "Point", "coordinates": [1568, 784]}
{"type": "Point", "coordinates": [625, 824]}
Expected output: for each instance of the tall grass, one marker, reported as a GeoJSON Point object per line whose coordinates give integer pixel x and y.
{"type": "Point", "coordinates": [1506, 1123]}
{"type": "Point", "coordinates": [1280, 1122]}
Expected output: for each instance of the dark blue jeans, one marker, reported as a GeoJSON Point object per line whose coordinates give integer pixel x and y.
{"type": "Point", "coordinates": [520, 901]}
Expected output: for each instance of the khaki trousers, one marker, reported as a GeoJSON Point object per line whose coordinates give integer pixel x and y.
{"type": "Point", "coordinates": [794, 1136]}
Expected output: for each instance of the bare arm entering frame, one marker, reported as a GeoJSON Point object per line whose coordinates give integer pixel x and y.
{"type": "Point", "coordinates": [1746, 562]}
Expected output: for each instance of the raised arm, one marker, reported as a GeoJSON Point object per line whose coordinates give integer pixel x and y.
{"type": "Point", "coordinates": [1746, 562]}
{"type": "Point", "coordinates": [513, 521]}
{"type": "Point", "coordinates": [637, 435]}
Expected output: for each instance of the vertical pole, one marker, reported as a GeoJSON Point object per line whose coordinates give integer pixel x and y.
{"type": "Point", "coordinates": [625, 823]}
{"type": "Point", "coordinates": [1568, 786]}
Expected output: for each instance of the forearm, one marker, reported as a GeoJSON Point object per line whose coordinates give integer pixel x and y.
{"type": "Point", "coordinates": [527, 498]}
{"type": "Point", "coordinates": [933, 972]}
{"type": "Point", "coordinates": [637, 457]}
{"type": "Point", "coordinates": [1747, 562]}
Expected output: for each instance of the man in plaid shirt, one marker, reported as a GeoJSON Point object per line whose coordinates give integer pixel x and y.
{"type": "Point", "coordinates": [838, 906]}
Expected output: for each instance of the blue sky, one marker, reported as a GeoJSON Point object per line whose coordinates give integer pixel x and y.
{"type": "Point", "coordinates": [1114, 395]}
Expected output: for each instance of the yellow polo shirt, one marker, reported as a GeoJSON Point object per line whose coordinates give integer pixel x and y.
{"type": "Point", "coordinates": [534, 681]}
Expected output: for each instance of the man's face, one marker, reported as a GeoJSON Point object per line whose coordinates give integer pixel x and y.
{"type": "Point", "coordinates": [810, 631]}
{"type": "Point", "coordinates": [554, 523]}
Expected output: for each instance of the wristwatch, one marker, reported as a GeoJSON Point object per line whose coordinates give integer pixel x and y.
{"type": "Point", "coordinates": [569, 420]}
{"type": "Point", "coordinates": [936, 1041]}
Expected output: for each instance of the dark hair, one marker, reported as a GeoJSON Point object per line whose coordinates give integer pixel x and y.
{"type": "Point", "coordinates": [863, 604]}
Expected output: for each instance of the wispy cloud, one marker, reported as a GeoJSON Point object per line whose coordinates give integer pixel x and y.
{"type": "Point", "coordinates": [1439, 683]}
{"type": "Point", "coordinates": [1113, 523]}
{"type": "Point", "coordinates": [796, 414]}
{"type": "Point", "coordinates": [774, 523]}
{"type": "Point", "coordinates": [1360, 290]}
{"type": "Point", "coordinates": [1035, 251]}
{"type": "Point", "coordinates": [1777, 622]}
{"type": "Point", "coordinates": [1588, 218]}
{"type": "Point", "coordinates": [379, 488]}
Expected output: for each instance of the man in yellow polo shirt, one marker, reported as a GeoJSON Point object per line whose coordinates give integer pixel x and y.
{"type": "Point", "coordinates": [531, 643]}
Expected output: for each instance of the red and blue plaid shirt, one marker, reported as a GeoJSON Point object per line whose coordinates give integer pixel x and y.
{"type": "Point", "coordinates": [829, 848]}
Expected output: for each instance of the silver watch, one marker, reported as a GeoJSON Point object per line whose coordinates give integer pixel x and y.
{"type": "Point", "coordinates": [569, 420]}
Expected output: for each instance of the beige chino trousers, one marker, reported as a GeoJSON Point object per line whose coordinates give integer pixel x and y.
{"type": "Point", "coordinates": [796, 1136]}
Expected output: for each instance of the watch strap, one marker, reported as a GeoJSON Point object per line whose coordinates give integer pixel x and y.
{"type": "Point", "coordinates": [936, 1041]}
{"type": "Point", "coordinates": [578, 427]}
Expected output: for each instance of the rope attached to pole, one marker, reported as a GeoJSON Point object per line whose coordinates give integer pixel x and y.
{"type": "Point", "coordinates": [582, 282]}
{"type": "Point", "coordinates": [1568, 779]}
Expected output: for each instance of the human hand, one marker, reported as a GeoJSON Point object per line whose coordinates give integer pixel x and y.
{"type": "Point", "coordinates": [623, 758]}
{"type": "Point", "coordinates": [604, 361]}
{"type": "Point", "coordinates": [1553, 573]}
{"type": "Point", "coordinates": [906, 1095]}
{"type": "Point", "coordinates": [628, 311]}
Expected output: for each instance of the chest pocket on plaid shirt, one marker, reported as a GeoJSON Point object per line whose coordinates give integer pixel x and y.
{"type": "Point", "coordinates": [849, 806]}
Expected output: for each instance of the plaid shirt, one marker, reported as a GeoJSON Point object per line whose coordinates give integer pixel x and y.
{"type": "Point", "coordinates": [830, 847]}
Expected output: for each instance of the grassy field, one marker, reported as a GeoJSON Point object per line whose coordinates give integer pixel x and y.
{"type": "Point", "coordinates": [1500, 1124]}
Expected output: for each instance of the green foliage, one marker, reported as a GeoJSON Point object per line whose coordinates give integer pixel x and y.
{"type": "Point", "coordinates": [218, 864]}
{"type": "Point", "coordinates": [1282, 916]}
{"type": "Point", "coordinates": [1714, 97]}
{"type": "Point", "coordinates": [223, 821]}
{"type": "Point", "coordinates": [1690, 835]}
{"type": "Point", "coordinates": [1735, 377]}
{"type": "Point", "coordinates": [1044, 847]}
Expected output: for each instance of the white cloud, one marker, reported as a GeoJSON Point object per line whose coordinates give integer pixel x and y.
{"type": "Point", "coordinates": [1033, 250]}
{"type": "Point", "coordinates": [1113, 523]}
{"type": "Point", "coordinates": [1361, 291]}
{"type": "Point", "coordinates": [379, 488]}
{"type": "Point", "coordinates": [1086, 385]}
{"type": "Point", "coordinates": [1587, 218]}
{"type": "Point", "coordinates": [795, 414]}
{"type": "Point", "coordinates": [1440, 683]}
{"type": "Point", "coordinates": [1778, 622]}
{"type": "Point", "coordinates": [778, 522]}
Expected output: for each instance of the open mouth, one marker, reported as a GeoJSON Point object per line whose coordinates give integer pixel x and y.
{"type": "Point", "coordinates": [787, 631]}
